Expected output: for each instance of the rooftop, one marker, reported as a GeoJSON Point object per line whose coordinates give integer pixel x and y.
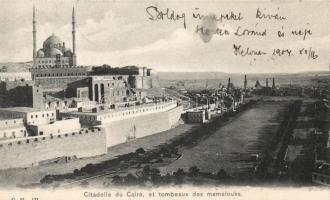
{"type": "Point", "coordinates": [23, 109]}
{"type": "Point", "coordinates": [131, 108]}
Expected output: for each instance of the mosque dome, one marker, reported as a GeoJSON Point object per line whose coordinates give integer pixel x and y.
{"type": "Point", "coordinates": [40, 53]}
{"type": "Point", "coordinates": [52, 41]}
{"type": "Point", "coordinates": [68, 53]}
{"type": "Point", "coordinates": [54, 51]}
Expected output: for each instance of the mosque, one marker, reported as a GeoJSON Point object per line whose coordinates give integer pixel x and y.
{"type": "Point", "coordinates": [54, 58]}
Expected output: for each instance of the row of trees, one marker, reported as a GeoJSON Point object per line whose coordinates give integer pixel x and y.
{"type": "Point", "coordinates": [153, 176]}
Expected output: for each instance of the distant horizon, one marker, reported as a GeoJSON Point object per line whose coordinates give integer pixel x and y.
{"type": "Point", "coordinates": [298, 72]}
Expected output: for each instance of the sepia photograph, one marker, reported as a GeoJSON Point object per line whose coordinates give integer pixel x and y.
{"type": "Point", "coordinates": [164, 99]}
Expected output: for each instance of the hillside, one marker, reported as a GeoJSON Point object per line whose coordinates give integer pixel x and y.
{"type": "Point", "coordinates": [16, 66]}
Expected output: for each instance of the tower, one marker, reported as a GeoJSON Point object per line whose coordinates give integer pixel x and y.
{"type": "Point", "coordinates": [229, 84]}
{"type": "Point", "coordinates": [266, 82]}
{"type": "Point", "coordinates": [245, 82]}
{"type": "Point", "coordinates": [74, 38]}
{"type": "Point", "coordinates": [34, 33]}
{"type": "Point", "coordinates": [273, 86]}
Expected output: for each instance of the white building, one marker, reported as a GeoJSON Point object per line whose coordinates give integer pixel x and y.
{"type": "Point", "coordinates": [58, 127]}
{"type": "Point", "coordinates": [15, 76]}
{"type": "Point", "coordinates": [12, 128]}
{"type": "Point", "coordinates": [31, 116]}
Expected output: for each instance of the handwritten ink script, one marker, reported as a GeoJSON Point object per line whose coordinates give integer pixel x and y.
{"type": "Point", "coordinates": [240, 29]}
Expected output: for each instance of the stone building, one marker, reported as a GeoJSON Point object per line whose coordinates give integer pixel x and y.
{"type": "Point", "coordinates": [15, 76]}
{"type": "Point", "coordinates": [12, 128]}
{"type": "Point", "coordinates": [54, 59]}
{"type": "Point", "coordinates": [30, 116]}
{"type": "Point", "coordinates": [16, 93]}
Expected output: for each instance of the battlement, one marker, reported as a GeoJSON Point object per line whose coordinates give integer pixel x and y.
{"type": "Point", "coordinates": [32, 151]}
{"type": "Point", "coordinates": [53, 67]}
{"type": "Point", "coordinates": [105, 116]}
{"type": "Point", "coordinates": [38, 139]}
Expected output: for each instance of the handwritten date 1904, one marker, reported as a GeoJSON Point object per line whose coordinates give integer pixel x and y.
{"type": "Point", "coordinates": [156, 14]}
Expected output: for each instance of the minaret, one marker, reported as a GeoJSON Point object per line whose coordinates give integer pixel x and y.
{"type": "Point", "coordinates": [73, 37]}
{"type": "Point", "coordinates": [266, 82]}
{"type": "Point", "coordinates": [245, 82]}
{"type": "Point", "coordinates": [228, 85]}
{"type": "Point", "coordinates": [34, 32]}
{"type": "Point", "coordinates": [273, 86]}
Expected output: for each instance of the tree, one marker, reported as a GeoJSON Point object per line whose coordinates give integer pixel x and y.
{"type": "Point", "coordinates": [222, 174]}
{"type": "Point", "coordinates": [194, 171]}
{"type": "Point", "coordinates": [130, 179]}
{"type": "Point", "coordinates": [140, 151]}
{"type": "Point", "coordinates": [146, 170]}
{"type": "Point", "coordinates": [179, 176]}
{"type": "Point", "coordinates": [117, 180]}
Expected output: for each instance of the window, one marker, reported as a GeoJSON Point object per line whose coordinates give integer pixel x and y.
{"type": "Point", "coordinates": [36, 116]}
{"type": "Point", "coordinates": [31, 116]}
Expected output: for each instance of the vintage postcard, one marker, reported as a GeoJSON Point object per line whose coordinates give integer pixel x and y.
{"type": "Point", "coordinates": [164, 99]}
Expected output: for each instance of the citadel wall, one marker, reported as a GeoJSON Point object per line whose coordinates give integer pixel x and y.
{"type": "Point", "coordinates": [141, 126]}
{"type": "Point", "coordinates": [29, 152]}
{"type": "Point", "coordinates": [60, 82]}
{"type": "Point", "coordinates": [58, 72]}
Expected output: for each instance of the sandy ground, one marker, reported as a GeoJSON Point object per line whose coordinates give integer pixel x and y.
{"type": "Point", "coordinates": [232, 145]}
{"type": "Point", "coordinates": [12, 177]}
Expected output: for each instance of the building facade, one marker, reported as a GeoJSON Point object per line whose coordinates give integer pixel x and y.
{"type": "Point", "coordinates": [54, 58]}
{"type": "Point", "coordinates": [12, 128]}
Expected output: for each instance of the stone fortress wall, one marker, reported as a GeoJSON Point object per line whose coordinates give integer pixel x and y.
{"type": "Point", "coordinates": [16, 93]}
{"type": "Point", "coordinates": [141, 126]}
{"type": "Point", "coordinates": [27, 152]}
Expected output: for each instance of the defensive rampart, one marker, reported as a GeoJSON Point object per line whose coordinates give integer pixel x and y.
{"type": "Point", "coordinates": [120, 131]}
{"type": "Point", "coordinates": [27, 152]}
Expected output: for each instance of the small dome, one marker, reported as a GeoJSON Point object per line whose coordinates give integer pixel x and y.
{"type": "Point", "coordinates": [40, 53]}
{"type": "Point", "coordinates": [68, 53]}
{"type": "Point", "coordinates": [54, 51]}
{"type": "Point", "coordinates": [52, 41]}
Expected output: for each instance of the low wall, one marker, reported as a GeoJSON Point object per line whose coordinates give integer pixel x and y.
{"type": "Point", "coordinates": [29, 152]}
{"type": "Point", "coordinates": [117, 132]}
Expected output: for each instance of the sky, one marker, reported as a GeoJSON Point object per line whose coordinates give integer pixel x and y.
{"type": "Point", "coordinates": [120, 33]}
